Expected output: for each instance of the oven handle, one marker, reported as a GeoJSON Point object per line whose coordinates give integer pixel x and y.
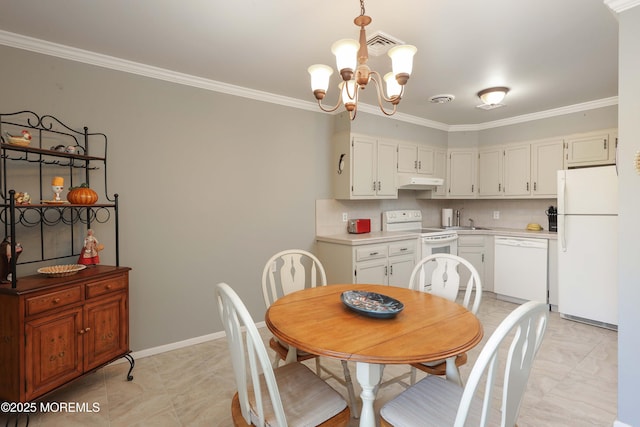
{"type": "Point", "coordinates": [444, 240]}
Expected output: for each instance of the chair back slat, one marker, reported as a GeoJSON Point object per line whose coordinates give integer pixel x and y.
{"type": "Point", "coordinates": [440, 275]}
{"type": "Point", "coordinates": [289, 271]}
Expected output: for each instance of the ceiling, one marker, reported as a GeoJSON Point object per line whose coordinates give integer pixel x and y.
{"type": "Point", "coordinates": [552, 54]}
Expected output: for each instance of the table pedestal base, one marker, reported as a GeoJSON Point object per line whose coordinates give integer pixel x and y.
{"type": "Point", "coordinates": [369, 375]}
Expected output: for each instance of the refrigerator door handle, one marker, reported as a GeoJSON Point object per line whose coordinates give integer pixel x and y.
{"type": "Point", "coordinates": [562, 187]}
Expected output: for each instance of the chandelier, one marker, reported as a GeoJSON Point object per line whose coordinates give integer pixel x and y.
{"type": "Point", "coordinates": [351, 59]}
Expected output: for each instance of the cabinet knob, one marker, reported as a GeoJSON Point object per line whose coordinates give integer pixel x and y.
{"type": "Point", "coordinates": [108, 286]}
{"type": "Point", "coordinates": [87, 329]}
{"type": "Point", "coordinates": [61, 354]}
{"type": "Point", "coordinates": [56, 300]}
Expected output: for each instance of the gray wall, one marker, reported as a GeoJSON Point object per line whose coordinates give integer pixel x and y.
{"type": "Point", "coordinates": [629, 232]}
{"type": "Point", "coordinates": [210, 185]}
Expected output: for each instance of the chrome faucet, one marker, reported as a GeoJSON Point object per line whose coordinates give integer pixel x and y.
{"type": "Point", "coordinates": [471, 223]}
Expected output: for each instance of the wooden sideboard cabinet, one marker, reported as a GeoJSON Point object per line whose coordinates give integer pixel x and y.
{"type": "Point", "coordinates": [55, 330]}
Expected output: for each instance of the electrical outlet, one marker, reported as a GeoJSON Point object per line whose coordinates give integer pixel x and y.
{"type": "Point", "coordinates": [496, 214]}
{"type": "Point", "coordinates": [345, 217]}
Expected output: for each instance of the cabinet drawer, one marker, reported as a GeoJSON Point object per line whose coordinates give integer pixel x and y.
{"type": "Point", "coordinates": [371, 252]}
{"type": "Point", "coordinates": [105, 286]}
{"type": "Point", "coordinates": [51, 300]}
{"type": "Point", "coordinates": [470, 240]}
{"type": "Point", "coordinates": [402, 248]}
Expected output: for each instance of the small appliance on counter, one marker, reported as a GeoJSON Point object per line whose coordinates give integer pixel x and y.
{"type": "Point", "coordinates": [447, 217]}
{"type": "Point", "coordinates": [359, 226]}
{"type": "Point", "coordinates": [552, 213]}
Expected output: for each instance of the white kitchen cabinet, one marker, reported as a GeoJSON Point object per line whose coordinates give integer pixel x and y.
{"type": "Point", "coordinates": [490, 171]}
{"type": "Point", "coordinates": [475, 249]}
{"type": "Point", "coordinates": [591, 149]}
{"type": "Point", "coordinates": [366, 167]}
{"type": "Point", "coordinates": [380, 263]}
{"type": "Point", "coordinates": [517, 170]}
{"type": "Point", "coordinates": [415, 159]}
{"type": "Point", "coordinates": [547, 158]}
{"type": "Point", "coordinates": [461, 173]}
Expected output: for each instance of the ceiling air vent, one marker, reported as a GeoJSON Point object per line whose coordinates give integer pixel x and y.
{"type": "Point", "coordinates": [379, 43]}
{"type": "Point", "coordinates": [441, 99]}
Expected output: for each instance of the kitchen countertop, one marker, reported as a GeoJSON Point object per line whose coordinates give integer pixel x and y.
{"type": "Point", "coordinates": [392, 236]}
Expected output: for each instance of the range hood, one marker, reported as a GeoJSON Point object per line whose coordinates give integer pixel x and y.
{"type": "Point", "coordinates": [411, 182]}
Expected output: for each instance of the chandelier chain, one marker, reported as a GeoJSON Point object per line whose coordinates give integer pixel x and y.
{"type": "Point", "coordinates": [362, 8]}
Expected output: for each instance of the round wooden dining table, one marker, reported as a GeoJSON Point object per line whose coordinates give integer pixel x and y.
{"type": "Point", "coordinates": [429, 328]}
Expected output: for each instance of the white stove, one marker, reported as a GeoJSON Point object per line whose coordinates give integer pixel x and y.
{"type": "Point", "coordinates": [433, 240]}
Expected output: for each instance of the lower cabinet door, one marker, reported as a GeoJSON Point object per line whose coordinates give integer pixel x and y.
{"type": "Point", "coordinates": [53, 351]}
{"type": "Point", "coordinates": [400, 269]}
{"type": "Point", "coordinates": [372, 272]}
{"type": "Point", "coordinates": [105, 333]}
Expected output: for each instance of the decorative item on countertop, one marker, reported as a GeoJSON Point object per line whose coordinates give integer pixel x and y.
{"type": "Point", "coordinates": [61, 270]}
{"type": "Point", "coordinates": [358, 226]}
{"type": "Point", "coordinates": [22, 198]}
{"type": "Point", "coordinates": [23, 140]}
{"type": "Point", "coordinates": [5, 259]}
{"type": "Point", "coordinates": [82, 195]}
{"type": "Point", "coordinates": [90, 249]}
{"type": "Point", "coordinates": [532, 226]}
{"type": "Point", "coordinates": [57, 185]}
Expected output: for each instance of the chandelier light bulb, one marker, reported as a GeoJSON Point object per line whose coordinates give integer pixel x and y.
{"type": "Point", "coordinates": [346, 52]}
{"type": "Point", "coordinates": [393, 87]}
{"type": "Point", "coordinates": [320, 75]}
{"type": "Point", "coordinates": [402, 60]}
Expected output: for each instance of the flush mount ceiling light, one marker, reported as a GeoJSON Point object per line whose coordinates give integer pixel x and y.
{"type": "Point", "coordinates": [493, 95]}
{"type": "Point", "coordinates": [351, 59]}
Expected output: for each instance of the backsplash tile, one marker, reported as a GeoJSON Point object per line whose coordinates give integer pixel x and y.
{"type": "Point", "coordinates": [514, 213]}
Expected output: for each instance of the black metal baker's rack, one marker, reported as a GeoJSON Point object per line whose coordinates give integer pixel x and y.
{"type": "Point", "coordinates": [89, 155]}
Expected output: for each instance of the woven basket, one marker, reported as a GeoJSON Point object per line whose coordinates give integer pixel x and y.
{"type": "Point", "coordinates": [61, 270]}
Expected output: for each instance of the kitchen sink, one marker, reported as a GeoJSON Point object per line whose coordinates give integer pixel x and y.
{"type": "Point", "coordinates": [465, 227]}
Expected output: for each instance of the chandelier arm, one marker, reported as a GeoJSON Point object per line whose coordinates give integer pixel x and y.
{"type": "Point", "coordinates": [330, 109]}
{"type": "Point", "coordinates": [380, 88]}
{"type": "Point", "coordinates": [381, 97]}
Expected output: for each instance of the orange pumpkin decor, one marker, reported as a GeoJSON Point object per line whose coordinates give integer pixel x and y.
{"type": "Point", "coordinates": [82, 195]}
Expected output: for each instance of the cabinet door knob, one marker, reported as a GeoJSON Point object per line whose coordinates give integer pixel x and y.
{"type": "Point", "coordinates": [108, 286]}
{"type": "Point", "coordinates": [56, 300]}
{"type": "Point", "coordinates": [87, 329]}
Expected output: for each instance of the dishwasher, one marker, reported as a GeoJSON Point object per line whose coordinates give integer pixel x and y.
{"type": "Point", "coordinates": [520, 269]}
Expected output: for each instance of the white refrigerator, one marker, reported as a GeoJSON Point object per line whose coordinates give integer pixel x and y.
{"type": "Point", "coordinates": [588, 245]}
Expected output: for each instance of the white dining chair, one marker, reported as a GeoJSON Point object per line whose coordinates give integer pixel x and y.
{"type": "Point", "coordinates": [291, 395]}
{"type": "Point", "coordinates": [440, 274]}
{"type": "Point", "coordinates": [289, 271]}
{"type": "Point", "coordinates": [434, 401]}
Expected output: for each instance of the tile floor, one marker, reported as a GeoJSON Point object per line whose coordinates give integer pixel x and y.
{"type": "Point", "coordinates": [573, 383]}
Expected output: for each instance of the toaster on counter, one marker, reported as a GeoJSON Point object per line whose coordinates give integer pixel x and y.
{"type": "Point", "coordinates": [357, 226]}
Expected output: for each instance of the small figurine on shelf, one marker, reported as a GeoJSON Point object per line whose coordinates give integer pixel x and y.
{"type": "Point", "coordinates": [57, 185]}
{"type": "Point", "coordinates": [5, 259]}
{"type": "Point", "coordinates": [90, 249]}
{"type": "Point", "coordinates": [22, 198]}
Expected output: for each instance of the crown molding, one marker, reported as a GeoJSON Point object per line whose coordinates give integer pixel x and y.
{"type": "Point", "coordinates": [78, 55]}
{"type": "Point", "coordinates": [621, 5]}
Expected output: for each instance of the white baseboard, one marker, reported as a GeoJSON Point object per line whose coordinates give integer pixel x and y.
{"type": "Point", "coordinates": [180, 344]}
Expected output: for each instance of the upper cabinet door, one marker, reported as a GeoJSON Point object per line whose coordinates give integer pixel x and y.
{"type": "Point", "coordinates": [386, 170]}
{"type": "Point", "coordinates": [517, 170]}
{"type": "Point", "coordinates": [547, 158]}
{"type": "Point", "coordinates": [462, 173]}
{"type": "Point", "coordinates": [591, 149]}
{"type": "Point", "coordinates": [407, 157]}
{"type": "Point", "coordinates": [490, 173]}
{"type": "Point", "coordinates": [364, 173]}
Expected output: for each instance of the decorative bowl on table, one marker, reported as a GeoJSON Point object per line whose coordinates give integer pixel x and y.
{"type": "Point", "coordinates": [61, 270]}
{"type": "Point", "coordinates": [372, 304]}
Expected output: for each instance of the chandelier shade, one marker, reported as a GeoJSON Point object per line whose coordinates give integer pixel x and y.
{"type": "Point", "coordinates": [351, 61]}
